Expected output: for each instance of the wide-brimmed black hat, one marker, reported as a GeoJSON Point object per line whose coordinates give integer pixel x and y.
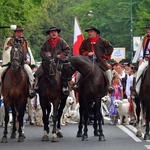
{"type": "Point", "coordinates": [148, 25]}
{"type": "Point", "coordinates": [92, 28]}
{"type": "Point", "coordinates": [19, 28]}
{"type": "Point", "coordinates": [53, 29]}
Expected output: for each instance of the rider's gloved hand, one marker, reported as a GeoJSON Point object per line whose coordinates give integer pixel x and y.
{"type": "Point", "coordinates": [63, 57]}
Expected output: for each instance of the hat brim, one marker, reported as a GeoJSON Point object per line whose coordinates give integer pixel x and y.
{"type": "Point", "coordinates": [98, 32]}
{"type": "Point", "coordinates": [19, 30]}
{"type": "Point", "coordinates": [58, 30]}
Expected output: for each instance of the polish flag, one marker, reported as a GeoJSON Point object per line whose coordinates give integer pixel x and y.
{"type": "Point", "coordinates": [78, 37]}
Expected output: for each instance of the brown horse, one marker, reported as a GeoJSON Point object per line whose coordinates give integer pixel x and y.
{"type": "Point", "coordinates": [92, 87]}
{"type": "Point", "coordinates": [145, 100]}
{"type": "Point", "coordinates": [15, 91]}
{"type": "Point", "coordinates": [49, 92]}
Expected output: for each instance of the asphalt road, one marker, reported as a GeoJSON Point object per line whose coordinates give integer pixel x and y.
{"type": "Point", "coordinates": [118, 137]}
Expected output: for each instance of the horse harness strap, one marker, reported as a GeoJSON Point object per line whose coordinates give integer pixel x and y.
{"type": "Point", "coordinates": [142, 75]}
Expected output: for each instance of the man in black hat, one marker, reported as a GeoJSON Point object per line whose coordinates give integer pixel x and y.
{"type": "Point", "coordinates": [18, 34]}
{"type": "Point", "coordinates": [98, 49]}
{"type": "Point", "coordinates": [54, 45]}
{"type": "Point", "coordinates": [143, 58]}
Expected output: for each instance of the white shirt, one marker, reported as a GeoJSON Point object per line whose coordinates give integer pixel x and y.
{"type": "Point", "coordinates": [129, 83]}
{"type": "Point", "coordinates": [142, 51]}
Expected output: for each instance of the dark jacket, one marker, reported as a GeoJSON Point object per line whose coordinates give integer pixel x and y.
{"type": "Point", "coordinates": [102, 49]}
{"type": "Point", "coordinates": [61, 48]}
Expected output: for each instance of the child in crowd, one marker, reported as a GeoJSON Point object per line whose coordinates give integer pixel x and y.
{"type": "Point", "coordinates": [117, 94]}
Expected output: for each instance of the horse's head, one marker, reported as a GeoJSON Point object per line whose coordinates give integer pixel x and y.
{"type": "Point", "coordinates": [16, 56]}
{"type": "Point", "coordinates": [66, 74]}
{"type": "Point", "coordinates": [49, 65]}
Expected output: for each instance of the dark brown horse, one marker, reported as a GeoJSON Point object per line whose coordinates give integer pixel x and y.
{"type": "Point", "coordinates": [145, 100]}
{"type": "Point", "coordinates": [15, 91]}
{"type": "Point", "coordinates": [49, 92]}
{"type": "Point", "coordinates": [92, 87]}
{"type": "Point", "coordinates": [66, 75]}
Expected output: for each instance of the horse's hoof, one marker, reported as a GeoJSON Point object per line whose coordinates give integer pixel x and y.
{"type": "Point", "coordinates": [59, 134]}
{"type": "Point", "coordinates": [102, 138]}
{"type": "Point", "coordinates": [146, 137]}
{"type": "Point", "coordinates": [21, 139]}
{"type": "Point", "coordinates": [85, 138]}
{"type": "Point", "coordinates": [54, 139]}
{"type": "Point", "coordinates": [13, 136]}
{"type": "Point", "coordinates": [96, 133]}
{"type": "Point", "coordinates": [23, 135]}
{"type": "Point", "coordinates": [138, 134]}
{"type": "Point", "coordinates": [79, 134]}
{"type": "Point", "coordinates": [45, 138]}
{"type": "Point", "coordinates": [4, 139]}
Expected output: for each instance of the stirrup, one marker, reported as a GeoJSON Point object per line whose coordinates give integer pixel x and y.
{"type": "Point", "coordinates": [75, 86]}
{"type": "Point", "coordinates": [32, 94]}
{"type": "Point", "coordinates": [36, 89]}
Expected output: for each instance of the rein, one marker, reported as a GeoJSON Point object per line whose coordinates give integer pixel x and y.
{"type": "Point", "coordinates": [87, 74]}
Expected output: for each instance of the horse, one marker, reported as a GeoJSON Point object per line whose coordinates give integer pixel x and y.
{"type": "Point", "coordinates": [15, 91]}
{"type": "Point", "coordinates": [92, 87]}
{"type": "Point", "coordinates": [66, 75]}
{"type": "Point", "coordinates": [49, 92]}
{"type": "Point", "coordinates": [145, 100]}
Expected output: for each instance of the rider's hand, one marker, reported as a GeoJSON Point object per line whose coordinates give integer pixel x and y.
{"type": "Point", "coordinates": [90, 54]}
{"type": "Point", "coordinates": [58, 56]}
{"type": "Point", "coordinates": [27, 62]}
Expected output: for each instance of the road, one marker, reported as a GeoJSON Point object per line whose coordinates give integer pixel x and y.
{"type": "Point", "coordinates": [118, 137]}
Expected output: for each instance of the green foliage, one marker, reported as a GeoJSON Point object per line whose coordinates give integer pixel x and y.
{"type": "Point", "coordinates": [113, 18]}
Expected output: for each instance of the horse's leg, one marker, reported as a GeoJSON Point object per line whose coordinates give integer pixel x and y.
{"type": "Point", "coordinates": [147, 136]}
{"type": "Point", "coordinates": [13, 134]}
{"type": "Point", "coordinates": [60, 111]}
{"type": "Point", "coordinates": [55, 109]}
{"type": "Point", "coordinates": [45, 121]}
{"type": "Point", "coordinates": [96, 133]}
{"type": "Point", "coordinates": [85, 134]}
{"type": "Point", "coordinates": [20, 116]}
{"type": "Point", "coordinates": [138, 110]}
{"type": "Point", "coordinates": [4, 138]}
{"type": "Point", "coordinates": [80, 126]}
{"type": "Point", "coordinates": [99, 117]}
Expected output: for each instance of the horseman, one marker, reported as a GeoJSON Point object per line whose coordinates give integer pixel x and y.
{"type": "Point", "coordinates": [18, 34]}
{"type": "Point", "coordinates": [56, 46]}
{"type": "Point", "coordinates": [143, 58]}
{"type": "Point", "coordinates": [99, 50]}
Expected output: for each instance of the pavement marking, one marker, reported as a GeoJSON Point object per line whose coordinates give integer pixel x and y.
{"type": "Point", "coordinates": [133, 129]}
{"type": "Point", "coordinates": [147, 146]}
{"type": "Point", "coordinates": [127, 131]}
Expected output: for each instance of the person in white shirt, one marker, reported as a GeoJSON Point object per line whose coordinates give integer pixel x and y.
{"type": "Point", "coordinates": [143, 58]}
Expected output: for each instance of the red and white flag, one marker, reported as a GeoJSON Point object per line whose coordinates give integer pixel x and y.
{"type": "Point", "coordinates": [78, 37]}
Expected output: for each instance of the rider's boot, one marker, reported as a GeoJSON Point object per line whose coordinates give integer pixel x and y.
{"type": "Point", "coordinates": [32, 92]}
{"type": "Point", "coordinates": [36, 86]}
{"type": "Point", "coordinates": [109, 77]}
{"type": "Point", "coordinates": [75, 85]}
